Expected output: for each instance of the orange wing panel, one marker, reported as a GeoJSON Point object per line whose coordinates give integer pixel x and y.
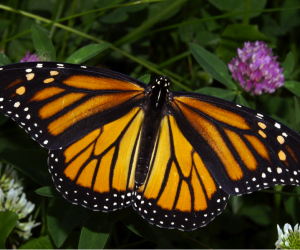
{"type": "Point", "coordinates": [291, 153]}
{"type": "Point", "coordinates": [184, 202]}
{"type": "Point", "coordinates": [14, 83]}
{"type": "Point", "coordinates": [213, 137]}
{"type": "Point", "coordinates": [86, 176]}
{"type": "Point", "coordinates": [76, 147]}
{"type": "Point", "coordinates": [167, 199]}
{"type": "Point", "coordinates": [112, 131]}
{"type": "Point", "coordinates": [46, 93]}
{"type": "Point", "coordinates": [73, 168]}
{"type": "Point", "coordinates": [101, 83]}
{"type": "Point", "coordinates": [183, 149]}
{"type": "Point", "coordinates": [162, 157]}
{"type": "Point", "coordinates": [258, 146]}
{"type": "Point", "coordinates": [135, 158]}
{"type": "Point", "coordinates": [242, 149]}
{"type": "Point", "coordinates": [217, 113]}
{"type": "Point", "coordinates": [92, 106]}
{"type": "Point", "coordinates": [209, 183]}
{"type": "Point", "coordinates": [59, 104]}
{"type": "Point", "coordinates": [200, 202]}
{"type": "Point", "coordinates": [102, 180]}
{"type": "Point", "coordinates": [122, 166]}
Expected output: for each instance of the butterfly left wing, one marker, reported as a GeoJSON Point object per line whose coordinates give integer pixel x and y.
{"type": "Point", "coordinates": [179, 191]}
{"type": "Point", "coordinates": [60, 103]}
{"type": "Point", "coordinates": [244, 150]}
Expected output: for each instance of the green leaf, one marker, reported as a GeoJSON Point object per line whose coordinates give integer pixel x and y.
{"type": "Point", "coordinates": [135, 7]}
{"type": "Point", "coordinates": [155, 9]}
{"type": "Point", "coordinates": [226, 94]}
{"type": "Point", "coordinates": [211, 25]}
{"type": "Point", "coordinates": [234, 36]}
{"type": "Point", "coordinates": [145, 78]}
{"type": "Point", "coordinates": [157, 13]}
{"type": "Point", "coordinates": [260, 214]}
{"type": "Point", "coordinates": [204, 38]}
{"type": "Point", "coordinates": [242, 101]}
{"type": "Point", "coordinates": [43, 242]}
{"type": "Point", "coordinates": [239, 6]}
{"type": "Point", "coordinates": [288, 64]}
{"type": "Point", "coordinates": [4, 60]}
{"type": "Point", "coordinates": [212, 65]}
{"type": "Point", "coordinates": [29, 161]}
{"type": "Point", "coordinates": [289, 18]}
{"type": "Point", "coordinates": [291, 205]}
{"type": "Point", "coordinates": [8, 221]}
{"type": "Point", "coordinates": [297, 114]}
{"type": "Point", "coordinates": [48, 192]}
{"type": "Point", "coordinates": [87, 52]}
{"type": "Point", "coordinates": [95, 232]}
{"type": "Point", "coordinates": [3, 119]}
{"type": "Point", "coordinates": [293, 86]}
{"type": "Point", "coordinates": [42, 43]}
{"type": "Point", "coordinates": [187, 32]}
{"type": "Point", "coordinates": [117, 215]}
{"type": "Point", "coordinates": [243, 33]}
{"type": "Point", "coordinates": [72, 241]}
{"type": "Point", "coordinates": [140, 226]}
{"type": "Point", "coordinates": [115, 16]}
{"type": "Point", "coordinates": [62, 218]}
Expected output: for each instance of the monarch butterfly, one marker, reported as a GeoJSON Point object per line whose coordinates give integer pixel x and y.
{"type": "Point", "coordinates": [114, 142]}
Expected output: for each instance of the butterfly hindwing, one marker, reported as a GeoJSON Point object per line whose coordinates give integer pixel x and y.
{"type": "Point", "coordinates": [179, 191]}
{"type": "Point", "coordinates": [59, 103]}
{"type": "Point", "coordinates": [97, 171]}
{"type": "Point", "coordinates": [250, 150]}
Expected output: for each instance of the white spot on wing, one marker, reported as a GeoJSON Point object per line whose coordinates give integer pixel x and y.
{"type": "Point", "coordinates": [17, 104]}
{"type": "Point", "coordinates": [277, 125]}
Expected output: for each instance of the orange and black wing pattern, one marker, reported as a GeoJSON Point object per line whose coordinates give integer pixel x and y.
{"type": "Point", "coordinates": [180, 191]}
{"type": "Point", "coordinates": [244, 150]}
{"type": "Point", "coordinates": [97, 171]}
{"type": "Point", "coordinates": [60, 103]}
{"type": "Point", "coordinates": [114, 142]}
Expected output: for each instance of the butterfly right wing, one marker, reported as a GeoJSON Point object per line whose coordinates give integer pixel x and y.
{"type": "Point", "coordinates": [97, 171]}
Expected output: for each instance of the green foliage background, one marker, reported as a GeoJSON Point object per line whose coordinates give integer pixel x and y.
{"type": "Point", "coordinates": [189, 40]}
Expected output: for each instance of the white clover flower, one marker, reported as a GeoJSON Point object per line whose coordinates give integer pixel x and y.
{"type": "Point", "coordinates": [289, 239]}
{"type": "Point", "coordinates": [13, 199]}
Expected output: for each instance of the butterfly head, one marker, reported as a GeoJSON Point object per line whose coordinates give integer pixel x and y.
{"type": "Point", "coordinates": [160, 90]}
{"type": "Point", "coordinates": [163, 82]}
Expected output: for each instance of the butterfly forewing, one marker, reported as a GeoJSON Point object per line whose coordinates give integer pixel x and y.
{"type": "Point", "coordinates": [251, 151]}
{"type": "Point", "coordinates": [59, 103]}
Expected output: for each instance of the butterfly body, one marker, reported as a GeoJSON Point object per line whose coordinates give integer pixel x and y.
{"type": "Point", "coordinates": [115, 142]}
{"type": "Point", "coordinates": [154, 106]}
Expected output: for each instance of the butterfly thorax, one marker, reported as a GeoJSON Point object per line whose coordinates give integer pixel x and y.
{"type": "Point", "coordinates": [154, 106]}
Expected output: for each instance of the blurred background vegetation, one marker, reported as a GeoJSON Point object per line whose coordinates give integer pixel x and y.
{"type": "Point", "coordinates": [152, 37]}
